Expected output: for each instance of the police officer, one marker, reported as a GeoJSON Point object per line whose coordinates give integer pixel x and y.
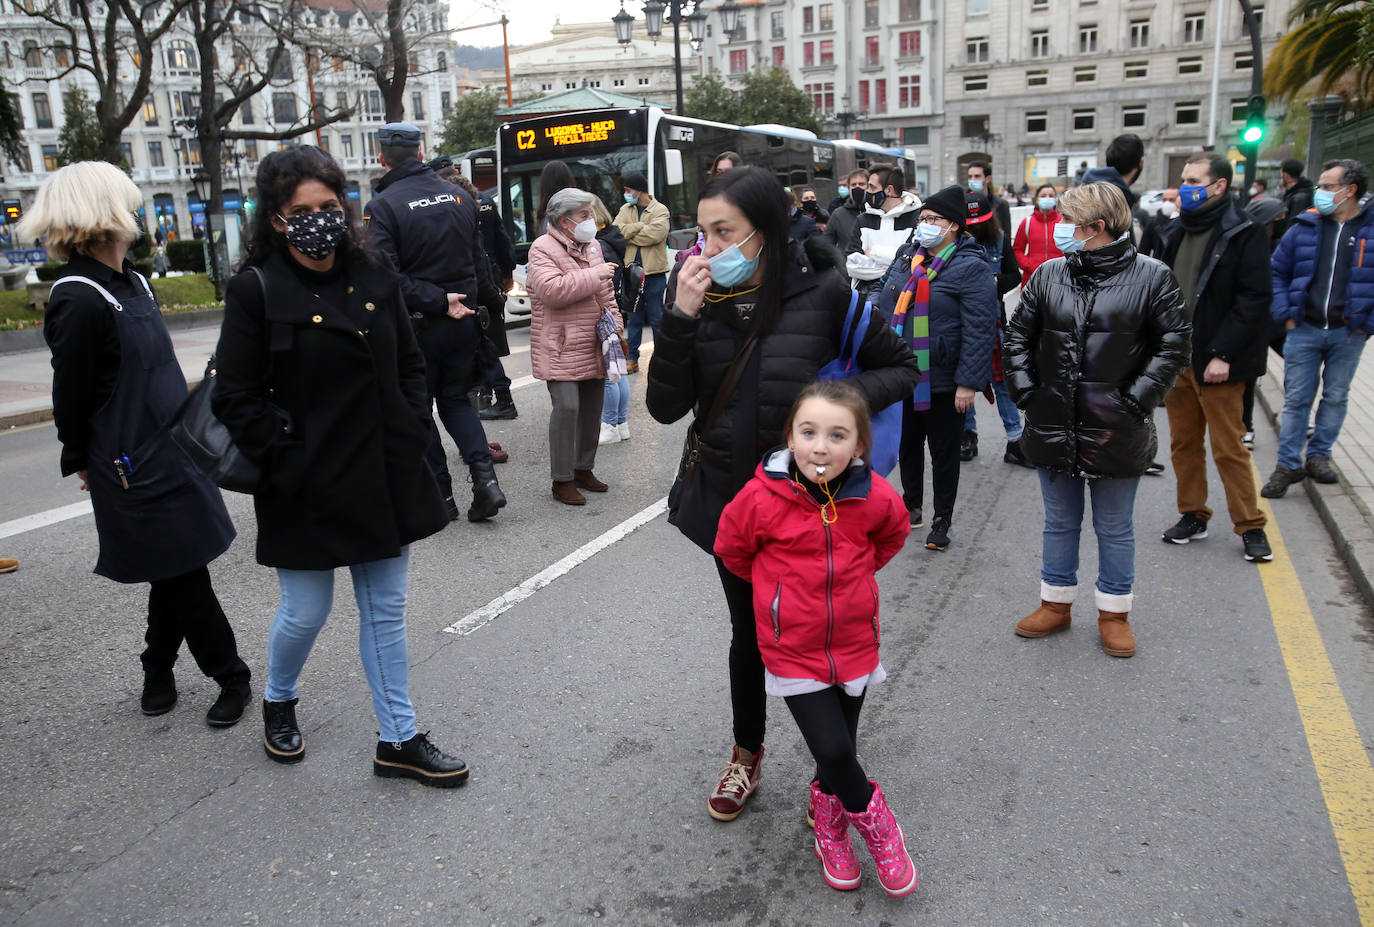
{"type": "Point", "coordinates": [428, 228]}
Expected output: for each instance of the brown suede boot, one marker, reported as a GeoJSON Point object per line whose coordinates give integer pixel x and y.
{"type": "Point", "coordinates": [1117, 638]}
{"type": "Point", "coordinates": [1047, 619]}
{"type": "Point", "coordinates": [566, 492]}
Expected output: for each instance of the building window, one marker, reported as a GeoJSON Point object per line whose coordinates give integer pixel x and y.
{"type": "Point", "coordinates": [644, 82]}
{"type": "Point", "coordinates": [915, 135]}
{"type": "Point", "coordinates": [872, 51]}
{"type": "Point", "coordinates": [283, 108]}
{"type": "Point", "coordinates": [779, 56]}
{"type": "Point", "coordinates": [246, 112]}
{"type": "Point", "coordinates": [975, 82]}
{"type": "Point", "coordinates": [908, 10]}
{"type": "Point", "coordinates": [346, 143]}
{"type": "Point", "coordinates": [373, 106]}
{"type": "Point", "coordinates": [808, 55]}
{"type": "Point", "coordinates": [973, 126]}
{"type": "Point", "coordinates": [779, 24]}
{"type": "Point", "coordinates": [617, 82]}
{"type": "Point", "coordinates": [1037, 78]}
{"type": "Point", "coordinates": [1038, 121]}
{"type": "Point", "coordinates": [1087, 40]}
{"type": "Point", "coordinates": [369, 145]}
{"type": "Point", "coordinates": [250, 149]}
{"type": "Point", "coordinates": [150, 111]}
{"type": "Point", "coordinates": [446, 99]}
{"type": "Point", "coordinates": [1086, 74]}
{"type": "Point", "coordinates": [825, 16]}
{"type": "Point", "coordinates": [741, 33]}
{"type": "Point", "coordinates": [863, 96]}
{"type": "Point", "coordinates": [61, 55]}
{"type": "Point", "coordinates": [808, 19]}
{"type": "Point", "coordinates": [1039, 5]}
{"type": "Point", "coordinates": [909, 91]}
{"type": "Point", "coordinates": [49, 157]}
{"type": "Point", "coordinates": [1084, 120]}
{"type": "Point", "coordinates": [1194, 25]}
{"type": "Point", "coordinates": [181, 56]}
{"type": "Point", "coordinates": [570, 85]}
{"type": "Point", "coordinates": [155, 158]}
{"type": "Point", "coordinates": [1240, 109]}
{"type": "Point", "coordinates": [1190, 65]}
{"type": "Point", "coordinates": [417, 105]}
{"type": "Point", "coordinates": [443, 62]}
{"type": "Point", "coordinates": [739, 61]}
{"type": "Point", "coordinates": [1133, 116]}
{"type": "Point", "coordinates": [1040, 43]}
{"type": "Point", "coordinates": [827, 51]}
{"type": "Point", "coordinates": [1140, 33]}
{"type": "Point", "coordinates": [33, 58]}
{"type": "Point", "coordinates": [1137, 70]}
{"type": "Point", "coordinates": [42, 114]}
{"type": "Point", "coordinates": [979, 7]}
{"type": "Point", "coordinates": [880, 95]}
{"type": "Point", "coordinates": [977, 50]}
{"type": "Point", "coordinates": [1187, 114]}
{"type": "Point", "coordinates": [870, 14]}
{"type": "Point", "coordinates": [544, 88]}
{"type": "Point", "coordinates": [909, 43]}
{"type": "Point", "coordinates": [127, 150]}
{"type": "Point", "coordinates": [1244, 61]}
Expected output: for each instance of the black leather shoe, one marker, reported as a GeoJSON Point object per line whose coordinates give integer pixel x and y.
{"type": "Point", "coordinates": [420, 760]}
{"type": "Point", "coordinates": [228, 708]}
{"type": "Point", "coordinates": [450, 508]}
{"type": "Point", "coordinates": [501, 408]}
{"type": "Point", "coordinates": [968, 446]}
{"type": "Point", "coordinates": [159, 693]}
{"type": "Point", "coordinates": [281, 736]}
{"type": "Point", "coordinates": [487, 497]}
{"type": "Point", "coordinates": [1015, 455]}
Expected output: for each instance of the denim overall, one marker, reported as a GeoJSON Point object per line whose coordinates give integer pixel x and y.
{"type": "Point", "coordinates": [156, 515]}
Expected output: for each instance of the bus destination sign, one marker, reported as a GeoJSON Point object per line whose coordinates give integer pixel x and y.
{"type": "Point", "coordinates": [563, 135]}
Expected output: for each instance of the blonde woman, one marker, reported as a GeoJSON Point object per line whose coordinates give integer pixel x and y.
{"type": "Point", "coordinates": [116, 387]}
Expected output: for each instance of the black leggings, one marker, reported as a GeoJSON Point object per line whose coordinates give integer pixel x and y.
{"type": "Point", "coordinates": [747, 699]}
{"type": "Point", "coordinates": [829, 722]}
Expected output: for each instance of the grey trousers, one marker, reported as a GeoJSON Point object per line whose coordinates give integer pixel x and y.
{"type": "Point", "coordinates": [574, 426]}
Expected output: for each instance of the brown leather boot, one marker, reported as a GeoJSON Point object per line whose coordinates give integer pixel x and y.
{"type": "Point", "coordinates": [586, 479]}
{"type": "Point", "coordinates": [566, 493]}
{"type": "Point", "coordinates": [1047, 619]}
{"type": "Point", "coordinates": [1117, 638]}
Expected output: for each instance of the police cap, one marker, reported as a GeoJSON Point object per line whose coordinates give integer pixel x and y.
{"type": "Point", "coordinates": [399, 133]}
{"type": "Point", "coordinates": [441, 163]}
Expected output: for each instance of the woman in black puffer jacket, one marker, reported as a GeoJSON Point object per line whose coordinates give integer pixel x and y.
{"type": "Point", "coordinates": [1098, 339]}
{"type": "Point", "coordinates": [750, 278]}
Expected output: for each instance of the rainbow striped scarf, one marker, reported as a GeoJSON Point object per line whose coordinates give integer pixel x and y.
{"type": "Point", "coordinates": [914, 303]}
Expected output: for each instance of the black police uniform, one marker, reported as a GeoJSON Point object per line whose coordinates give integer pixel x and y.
{"type": "Point", "coordinates": [428, 228]}
{"type": "Point", "coordinates": [501, 254]}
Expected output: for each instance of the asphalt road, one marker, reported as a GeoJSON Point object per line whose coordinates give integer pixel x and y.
{"type": "Point", "coordinates": [1038, 782]}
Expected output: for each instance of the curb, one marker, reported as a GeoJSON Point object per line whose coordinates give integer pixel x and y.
{"type": "Point", "coordinates": [1340, 509]}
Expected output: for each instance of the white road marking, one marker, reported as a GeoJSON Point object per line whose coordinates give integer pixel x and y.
{"type": "Point", "coordinates": [493, 609]}
{"type": "Point", "coordinates": [9, 529]}
{"type": "Point", "coordinates": [530, 381]}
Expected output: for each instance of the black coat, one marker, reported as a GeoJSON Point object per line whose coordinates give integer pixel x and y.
{"type": "Point", "coordinates": [337, 417]}
{"type": "Point", "coordinates": [802, 226]}
{"type": "Point", "coordinates": [841, 223]}
{"type": "Point", "coordinates": [692, 355]}
{"type": "Point", "coordinates": [1096, 343]}
{"type": "Point", "coordinates": [1231, 317]}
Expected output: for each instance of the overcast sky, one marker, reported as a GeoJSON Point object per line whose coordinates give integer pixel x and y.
{"type": "Point", "coordinates": [530, 20]}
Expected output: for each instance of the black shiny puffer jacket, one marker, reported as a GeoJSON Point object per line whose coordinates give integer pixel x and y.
{"type": "Point", "coordinates": [1097, 341]}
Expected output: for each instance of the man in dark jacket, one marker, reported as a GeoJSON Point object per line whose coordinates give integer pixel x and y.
{"type": "Point", "coordinates": [427, 227]}
{"type": "Point", "coordinates": [1125, 159]}
{"type": "Point", "coordinates": [1219, 256]}
{"type": "Point", "coordinates": [1297, 193]}
{"type": "Point", "coordinates": [1324, 295]}
{"type": "Point", "coordinates": [980, 181]}
{"type": "Point", "coordinates": [844, 212]}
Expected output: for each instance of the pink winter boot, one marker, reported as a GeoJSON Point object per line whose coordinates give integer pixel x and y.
{"type": "Point", "coordinates": [885, 841]}
{"type": "Point", "coordinates": [836, 853]}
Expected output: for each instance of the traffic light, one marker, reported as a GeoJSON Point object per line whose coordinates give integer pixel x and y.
{"type": "Point", "coordinates": [14, 210]}
{"type": "Point", "coordinates": [1253, 133]}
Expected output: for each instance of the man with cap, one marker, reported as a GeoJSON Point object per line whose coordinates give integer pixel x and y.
{"type": "Point", "coordinates": [644, 222]}
{"type": "Point", "coordinates": [427, 227]}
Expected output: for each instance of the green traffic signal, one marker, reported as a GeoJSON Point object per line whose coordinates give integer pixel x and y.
{"type": "Point", "coordinates": [1253, 134]}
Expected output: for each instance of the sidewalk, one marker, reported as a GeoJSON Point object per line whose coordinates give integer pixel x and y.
{"type": "Point", "coordinates": [1347, 508]}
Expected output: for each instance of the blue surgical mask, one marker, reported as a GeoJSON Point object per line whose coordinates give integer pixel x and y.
{"type": "Point", "coordinates": [928, 234]}
{"type": "Point", "coordinates": [631, 198]}
{"type": "Point", "coordinates": [842, 190]}
{"type": "Point", "coordinates": [1191, 196]}
{"type": "Point", "coordinates": [1064, 240]}
{"type": "Point", "coordinates": [1325, 201]}
{"type": "Point", "coordinates": [1046, 203]}
{"type": "Point", "coordinates": [731, 267]}
{"type": "Point", "coordinates": [976, 186]}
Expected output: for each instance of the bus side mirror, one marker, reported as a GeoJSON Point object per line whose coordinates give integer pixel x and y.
{"type": "Point", "coordinates": [672, 163]}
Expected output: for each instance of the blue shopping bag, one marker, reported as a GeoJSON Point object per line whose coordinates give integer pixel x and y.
{"type": "Point", "coordinates": [887, 423]}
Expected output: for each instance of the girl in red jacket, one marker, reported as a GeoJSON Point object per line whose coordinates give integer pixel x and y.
{"type": "Point", "coordinates": [1034, 241]}
{"type": "Point", "coordinates": [809, 531]}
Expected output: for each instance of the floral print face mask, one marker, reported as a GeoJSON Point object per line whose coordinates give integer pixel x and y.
{"type": "Point", "coordinates": [316, 234]}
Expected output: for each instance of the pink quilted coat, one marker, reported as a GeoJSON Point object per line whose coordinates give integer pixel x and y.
{"type": "Point", "coordinates": [565, 302]}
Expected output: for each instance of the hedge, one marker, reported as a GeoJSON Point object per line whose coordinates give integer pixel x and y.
{"type": "Point", "coordinates": [186, 255]}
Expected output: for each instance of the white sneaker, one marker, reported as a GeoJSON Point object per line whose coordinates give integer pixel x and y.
{"type": "Point", "coordinates": [623, 430]}
{"type": "Point", "coordinates": [609, 435]}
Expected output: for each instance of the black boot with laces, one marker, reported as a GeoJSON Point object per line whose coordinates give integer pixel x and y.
{"type": "Point", "coordinates": [281, 735]}
{"type": "Point", "coordinates": [420, 760]}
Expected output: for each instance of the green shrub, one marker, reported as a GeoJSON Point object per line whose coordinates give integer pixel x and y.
{"type": "Point", "coordinates": [49, 271]}
{"type": "Point", "coordinates": [188, 290]}
{"type": "Point", "coordinates": [144, 267]}
{"type": "Point", "coordinates": [186, 255]}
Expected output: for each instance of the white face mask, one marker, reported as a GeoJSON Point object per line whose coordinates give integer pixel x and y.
{"type": "Point", "coordinates": [1168, 209]}
{"type": "Point", "coordinates": [585, 231]}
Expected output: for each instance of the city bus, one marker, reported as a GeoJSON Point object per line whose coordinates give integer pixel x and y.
{"type": "Point", "coordinates": [674, 152]}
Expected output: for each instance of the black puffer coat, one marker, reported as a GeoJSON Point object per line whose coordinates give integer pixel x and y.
{"type": "Point", "coordinates": [691, 357]}
{"type": "Point", "coordinates": [1098, 339]}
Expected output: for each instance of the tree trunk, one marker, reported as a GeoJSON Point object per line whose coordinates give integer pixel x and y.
{"type": "Point", "coordinates": [394, 89]}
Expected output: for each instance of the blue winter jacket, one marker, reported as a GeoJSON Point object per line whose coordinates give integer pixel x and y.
{"type": "Point", "coordinates": [1295, 265]}
{"type": "Point", "coordinates": [964, 310]}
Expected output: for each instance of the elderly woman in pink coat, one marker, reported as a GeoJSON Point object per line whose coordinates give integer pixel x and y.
{"type": "Point", "coordinates": [570, 287]}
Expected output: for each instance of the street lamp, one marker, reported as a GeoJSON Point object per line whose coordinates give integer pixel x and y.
{"type": "Point", "coordinates": [846, 117]}
{"type": "Point", "coordinates": [653, 27]}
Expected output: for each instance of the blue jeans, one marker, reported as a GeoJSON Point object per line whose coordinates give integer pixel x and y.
{"type": "Point", "coordinates": [655, 285]}
{"type": "Point", "coordinates": [615, 404]}
{"type": "Point", "coordinates": [1310, 353]}
{"type": "Point", "coordinates": [1011, 416]}
{"type": "Point", "coordinates": [306, 597]}
{"type": "Point", "coordinates": [1113, 504]}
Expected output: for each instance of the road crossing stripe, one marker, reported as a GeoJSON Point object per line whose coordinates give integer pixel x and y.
{"type": "Point", "coordinates": [493, 609]}
{"type": "Point", "coordinates": [9, 529]}
{"type": "Point", "coordinates": [1343, 767]}
{"type": "Point", "coordinates": [530, 381]}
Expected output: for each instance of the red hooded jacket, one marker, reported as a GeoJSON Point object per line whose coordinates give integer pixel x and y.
{"type": "Point", "coordinates": [1034, 241]}
{"type": "Point", "coordinates": [815, 596]}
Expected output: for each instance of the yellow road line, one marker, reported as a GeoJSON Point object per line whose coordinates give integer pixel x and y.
{"type": "Point", "coordinates": [1343, 767]}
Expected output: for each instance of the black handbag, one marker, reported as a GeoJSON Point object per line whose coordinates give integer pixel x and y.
{"type": "Point", "coordinates": [206, 441]}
